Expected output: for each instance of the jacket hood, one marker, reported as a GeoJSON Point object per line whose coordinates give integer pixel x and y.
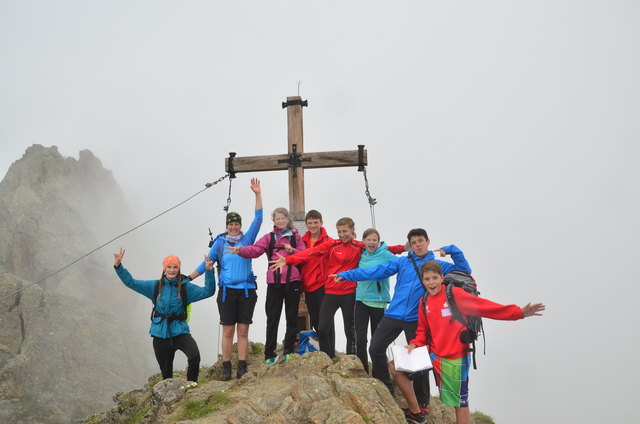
{"type": "Point", "coordinates": [379, 251]}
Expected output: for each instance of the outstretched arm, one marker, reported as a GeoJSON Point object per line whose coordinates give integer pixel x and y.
{"type": "Point", "coordinates": [278, 263]}
{"type": "Point", "coordinates": [534, 310]}
{"type": "Point", "coordinates": [471, 305]}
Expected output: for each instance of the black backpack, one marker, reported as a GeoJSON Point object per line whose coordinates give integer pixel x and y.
{"type": "Point", "coordinates": [474, 323]}
{"type": "Point", "coordinates": [183, 296]}
{"type": "Point", "coordinates": [272, 247]}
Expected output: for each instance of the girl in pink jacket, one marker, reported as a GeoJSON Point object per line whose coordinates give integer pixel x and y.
{"type": "Point", "coordinates": [283, 286]}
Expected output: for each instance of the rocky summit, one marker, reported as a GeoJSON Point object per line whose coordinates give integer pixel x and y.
{"type": "Point", "coordinates": [305, 389]}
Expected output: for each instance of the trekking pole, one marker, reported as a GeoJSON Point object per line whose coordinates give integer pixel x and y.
{"type": "Point", "coordinates": [218, 344]}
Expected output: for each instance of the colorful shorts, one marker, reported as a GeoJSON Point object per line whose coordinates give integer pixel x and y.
{"type": "Point", "coordinates": [452, 378]}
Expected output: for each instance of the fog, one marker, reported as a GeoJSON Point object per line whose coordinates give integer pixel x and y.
{"type": "Point", "coordinates": [507, 128]}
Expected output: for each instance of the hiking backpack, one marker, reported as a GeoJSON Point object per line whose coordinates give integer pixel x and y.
{"type": "Point", "coordinates": [272, 247]}
{"type": "Point", "coordinates": [308, 342]}
{"type": "Point", "coordinates": [473, 325]}
{"type": "Point", "coordinates": [186, 306]}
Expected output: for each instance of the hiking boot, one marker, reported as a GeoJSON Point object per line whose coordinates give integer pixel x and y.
{"type": "Point", "coordinates": [270, 361]}
{"type": "Point", "coordinates": [242, 369]}
{"type": "Point", "coordinates": [425, 408]}
{"type": "Point", "coordinates": [412, 418]}
{"type": "Point", "coordinates": [286, 357]}
{"type": "Point", "coordinates": [225, 375]}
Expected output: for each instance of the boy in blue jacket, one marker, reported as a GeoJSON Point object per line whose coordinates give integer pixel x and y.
{"type": "Point", "coordinates": [169, 329]}
{"type": "Point", "coordinates": [402, 313]}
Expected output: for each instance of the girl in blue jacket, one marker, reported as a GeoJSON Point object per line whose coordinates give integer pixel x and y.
{"type": "Point", "coordinates": [237, 296]}
{"type": "Point", "coordinates": [169, 328]}
{"type": "Point", "coordinates": [372, 296]}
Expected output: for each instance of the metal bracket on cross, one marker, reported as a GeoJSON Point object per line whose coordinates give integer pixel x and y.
{"type": "Point", "coordinates": [294, 159]}
{"type": "Point", "coordinates": [295, 102]}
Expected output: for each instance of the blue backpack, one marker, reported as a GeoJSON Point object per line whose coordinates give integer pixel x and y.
{"type": "Point", "coordinates": [308, 342]}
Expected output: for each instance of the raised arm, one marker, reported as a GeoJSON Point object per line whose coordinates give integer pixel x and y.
{"type": "Point", "coordinates": [460, 263]}
{"type": "Point", "coordinates": [255, 187]}
{"type": "Point", "coordinates": [195, 292]}
{"type": "Point", "coordinates": [213, 256]}
{"type": "Point", "coordinates": [144, 287]}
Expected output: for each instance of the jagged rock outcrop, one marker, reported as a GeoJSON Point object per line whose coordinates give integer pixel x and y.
{"type": "Point", "coordinates": [305, 389]}
{"type": "Point", "coordinates": [64, 344]}
{"type": "Point", "coordinates": [53, 210]}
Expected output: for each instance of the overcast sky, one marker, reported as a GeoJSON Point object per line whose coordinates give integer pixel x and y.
{"type": "Point", "coordinates": [507, 128]}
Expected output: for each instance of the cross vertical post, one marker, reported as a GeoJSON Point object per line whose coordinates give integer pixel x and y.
{"type": "Point", "coordinates": [295, 161]}
{"type": "Point", "coordinates": [295, 138]}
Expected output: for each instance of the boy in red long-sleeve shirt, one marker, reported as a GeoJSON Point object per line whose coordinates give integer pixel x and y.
{"type": "Point", "coordinates": [441, 334]}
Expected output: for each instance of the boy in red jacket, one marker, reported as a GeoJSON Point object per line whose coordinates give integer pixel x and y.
{"type": "Point", "coordinates": [449, 354]}
{"type": "Point", "coordinates": [339, 255]}
{"type": "Point", "coordinates": [313, 270]}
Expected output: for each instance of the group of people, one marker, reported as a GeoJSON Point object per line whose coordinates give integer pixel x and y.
{"type": "Point", "coordinates": [342, 273]}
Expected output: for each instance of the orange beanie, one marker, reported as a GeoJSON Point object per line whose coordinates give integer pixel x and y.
{"type": "Point", "coordinates": [170, 260]}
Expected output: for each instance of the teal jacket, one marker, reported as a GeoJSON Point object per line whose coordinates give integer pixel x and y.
{"type": "Point", "coordinates": [169, 302]}
{"type": "Point", "coordinates": [374, 290]}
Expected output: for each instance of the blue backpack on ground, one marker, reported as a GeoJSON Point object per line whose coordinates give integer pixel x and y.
{"type": "Point", "coordinates": [308, 342]}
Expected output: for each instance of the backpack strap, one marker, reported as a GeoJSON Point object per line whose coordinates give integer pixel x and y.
{"type": "Point", "coordinates": [415, 266]}
{"type": "Point", "coordinates": [154, 298]}
{"type": "Point", "coordinates": [170, 317]}
{"type": "Point", "coordinates": [453, 307]}
{"type": "Point", "coordinates": [425, 296]}
{"type": "Point", "coordinates": [272, 246]}
{"type": "Point", "coordinates": [183, 296]}
{"type": "Point", "coordinates": [457, 315]}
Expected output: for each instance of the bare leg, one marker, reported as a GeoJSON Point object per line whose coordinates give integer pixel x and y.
{"type": "Point", "coordinates": [227, 341]}
{"type": "Point", "coordinates": [243, 341]}
{"type": "Point", "coordinates": [406, 387]}
{"type": "Point", "coordinates": [462, 415]}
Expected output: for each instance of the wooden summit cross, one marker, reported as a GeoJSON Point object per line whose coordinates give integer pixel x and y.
{"type": "Point", "coordinates": [296, 161]}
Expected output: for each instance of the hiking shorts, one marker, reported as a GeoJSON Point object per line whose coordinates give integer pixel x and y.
{"type": "Point", "coordinates": [237, 308]}
{"type": "Point", "coordinates": [452, 378]}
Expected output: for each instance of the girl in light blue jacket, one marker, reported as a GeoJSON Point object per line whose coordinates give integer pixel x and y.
{"type": "Point", "coordinates": [372, 296]}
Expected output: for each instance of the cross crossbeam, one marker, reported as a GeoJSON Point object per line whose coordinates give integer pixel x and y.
{"type": "Point", "coordinates": [334, 159]}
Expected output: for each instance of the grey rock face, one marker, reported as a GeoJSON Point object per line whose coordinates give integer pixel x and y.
{"type": "Point", "coordinates": [54, 209]}
{"type": "Point", "coordinates": [62, 354]}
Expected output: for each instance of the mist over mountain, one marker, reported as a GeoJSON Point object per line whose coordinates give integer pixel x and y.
{"type": "Point", "coordinates": [65, 346]}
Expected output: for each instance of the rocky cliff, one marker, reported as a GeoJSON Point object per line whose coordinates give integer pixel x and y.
{"type": "Point", "coordinates": [59, 358]}
{"type": "Point", "coordinates": [64, 346]}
